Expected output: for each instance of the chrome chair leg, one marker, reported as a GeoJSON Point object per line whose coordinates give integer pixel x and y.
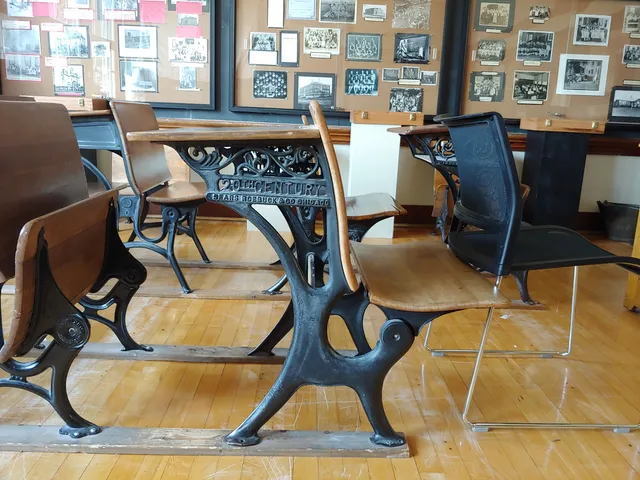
{"type": "Point", "coordinates": [524, 353]}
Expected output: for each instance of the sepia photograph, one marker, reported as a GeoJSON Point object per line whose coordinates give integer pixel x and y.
{"type": "Point", "coordinates": [592, 30]}
{"type": "Point", "coordinates": [314, 86]}
{"type": "Point", "coordinates": [269, 84]}
{"type": "Point", "coordinates": [188, 20]}
{"type": "Point", "coordinates": [137, 41]}
{"type": "Point", "coordinates": [539, 13]}
{"type": "Point", "coordinates": [321, 40]}
{"type": "Point", "coordinates": [263, 42]}
{"type": "Point", "coordinates": [138, 76]}
{"type": "Point", "coordinates": [582, 74]}
{"type": "Point", "coordinates": [486, 87]}
{"type": "Point", "coordinates": [19, 8]}
{"type": "Point", "coordinates": [100, 49]}
{"type": "Point", "coordinates": [428, 78]}
{"type": "Point", "coordinates": [187, 50]}
{"type": "Point", "coordinates": [21, 41]}
{"type": "Point", "coordinates": [491, 50]}
{"type": "Point", "coordinates": [68, 81]}
{"type": "Point", "coordinates": [22, 67]}
{"type": "Point", "coordinates": [631, 55]}
{"type": "Point", "coordinates": [405, 100]}
{"type": "Point", "coordinates": [631, 22]}
{"type": "Point", "coordinates": [411, 48]}
{"type": "Point", "coordinates": [391, 75]}
{"type": "Point", "coordinates": [374, 13]}
{"type": "Point", "coordinates": [73, 42]}
{"type": "Point", "coordinates": [361, 81]}
{"type": "Point", "coordinates": [414, 14]}
{"type": "Point", "coordinates": [494, 16]}
{"type": "Point", "coordinates": [187, 79]}
{"type": "Point", "coordinates": [364, 47]}
{"type": "Point", "coordinates": [410, 73]}
{"type": "Point", "coordinates": [338, 11]}
{"type": "Point", "coordinates": [624, 105]}
{"type": "Point", "coordinates": [534, 46]}
{"type": "Point", "coordinates": [530, 85]}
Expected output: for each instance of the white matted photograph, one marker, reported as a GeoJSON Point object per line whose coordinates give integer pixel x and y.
{"type": "Point", "coordinates": [364, 47]}
{"type": "Point", "coordinates": [188, 20]}
{"type": "Point", "coordinates": [100, 49]}
{"type": "Point", "coordinates": [338, 11]}
{"type": "Point", "coordinates": [534, 46]}
{"type": "Point", "coordinates": [72, 41]}
{"type": "Point", "coordinates": [539, 13]}
{"type": "Point", "coordinates": [19, 8]}
{"type": "Point", "coordinates": [582, 74]}
{"type": "Point", "coordinates": [270, 84]}
{"type": "Point", "coordinates": [361, 81]}
{"type": "Point", "coordinates": [405, 100]}
{"type": "Point", "coordinates": [624, 105]}
{"type": "Point", "coordinates": [263, 42]}
{"type": "Point", "coordinates": [138, 76]}
{"type": "Point", "coordinates": [491, 50]}
{"type": "Point", "coordinates": [68, 81]}
{"type": "Point", "coordinates": [314, 86]}
{"type": "Point", "coordinates": [529, 85]}
{"type": "Point", "coordinates": [428, 78]}
{"type": "Point", "coordinates": [592, 30]}
{"type": "Point", "coordinates": [21, 41]}
{"type": "Point", "coordinates": [187, 79]}
{"type": "Point", "coordinates": [414, 14]}
{"type": "Point", "coordinates": [137, 41]}
{"type": "Point", "coordinates": [631, 55]}
{"type": "Point", "coordinates": [631, 22]}
{"type": "Point", "coordinates": [410, 73]}
{"type": "Point", "coordinates": [391, 75]}
{"type": "Point", "coordinates": [321, 40]}
{"type": "Point", "coordinates": [187, 50]}
{"type": "Point", "coordinates": [374, 13]}
{"type": "Point", "coordinates": [22, 67]}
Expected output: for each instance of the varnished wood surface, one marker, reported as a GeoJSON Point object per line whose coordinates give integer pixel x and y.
{"type": "Point", "coordinates": [179, 192]}
{"type": "Point", "coordinates": [563, 125]}
{"type": "Point", "coordinates": [632, 297]}
{"type": "Point", "coordinates": [435, 128]}
{"type": "Point", "coordinates": [372, 205]}
{"type": "Point", "coordinates": [386, 118]}
{"type": "Point", "coordinates": [89, 113]}
{"type": "Point", "coordinates": [195, 134]}
{"type": "Point", "coordinates": [422, 394]}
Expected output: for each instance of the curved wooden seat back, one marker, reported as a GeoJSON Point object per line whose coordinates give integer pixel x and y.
{"type": "Point", "coordinates": [40, 169]}
{"type": "Point", "coordinates": [338, 192]}
{"type": "Point", "coordinates": [76, 239]}
{"type": "Point", "coordinates": [146, 162]}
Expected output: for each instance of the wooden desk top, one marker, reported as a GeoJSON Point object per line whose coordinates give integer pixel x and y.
{"type": "Point", "coordinates": [89, 113]}
{"type": "Point", "coordinates": [193, 122]}
{"type": "Point", "coordinates": [420, 129]}
{"type": "Point", "coordinates": [268, 132]}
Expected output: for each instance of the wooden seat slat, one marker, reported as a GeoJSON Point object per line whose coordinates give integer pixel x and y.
{"type": "Point", "coordinates": [178, 192]}
{"type": "Point", "coordinates": [373, 205]}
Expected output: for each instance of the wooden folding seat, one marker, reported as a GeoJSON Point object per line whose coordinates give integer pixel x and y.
{"type": "Point", "coordinates": [60, 245]}
{"type": "Point", "coordinates": [152, 184]}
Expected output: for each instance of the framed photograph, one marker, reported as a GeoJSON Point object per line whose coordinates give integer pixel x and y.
{"type": "Point", "coordinates": [118, 10]}
{"type": "Point", "coordinates": [487, 86]}
{"type": "Point", "coordinates": [624, 105]}
{"type": "Point", "coordinates": [631, 55]}
{"type": "Point", "coordinates": [428, 78]}
{"type": "Point", "coordinates": [391, 75]}
{"type": "Point", "coordinates": [72, 41]}
{"type": "Point", "coordinates": [263, 42]}
{"type": "Point", "coordinates": [414, 14]}
{"type": "Point", "coordinates": [101, 49]}
{"type": "Point", "coordinates": [582, 74]}
{"type": "Point", "coordinates": [314, 86]}
{"type": "Point", "coordinates": [138, 76]}
{"type": "Point", "coordinates": [188, 20]}
{"type": "Point", "coordinates": [534, 46]}
{"type": "Point", "coordinates": [321, 40]}
{"type": "Point", "coordinates": [338, 11]}
{"type": "Point", "coordinates": [405, 100]}
{"type": "Point", "coordinates": [22, 67]}
{"type": "Point", "coordinates": [410, 73]}
{"type": "Point", "coordinates": [187, 78]}
{"type": "Point", "coordinates": [137, 41]}
{"type": "Point", "coordinates": [364, 47]}
{"type": "Point", "coordinates": [494, 16]}
{"type": "Point", "coordinates": [539, 13]}
{"type": "Point", "coordinates": [491, 50]}
{"type": "Point", "coordinates": [68, 81]}
{"type": "Point", "coordinates": [361, 81]}
{"type": "Point", "coordinates": [22, 41]}
{"type": "Point", "coordinates": [269, 84]}
{"type": "Point", "coordinates": [530, 86]}
{"type": "Point", "coordinates": [301, 9]}
{"type": "Point", "coordinates": [289, 48]}
{"type": "Point", "coordinates": [631, 22]}
{"type": "Point", "coordinates": [19, 8]}
{"type": "Point", "coordinates": [592, 30]}
{"type": "Point", "coordinates": [411, 48]}
{"type": "Point", "coordinates": [187, 50]}
{"type": "Point", "coordinates": [374, 13]}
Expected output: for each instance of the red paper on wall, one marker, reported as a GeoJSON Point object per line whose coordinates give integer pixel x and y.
{"type": "Point", "coordinates": [45, 9]}
{"type": "Point", "coordinates": [189, 32]}
{"type": "Point", "coordinates": [189, 7]}
{"type": "Point", "coordinates": [153, 12]}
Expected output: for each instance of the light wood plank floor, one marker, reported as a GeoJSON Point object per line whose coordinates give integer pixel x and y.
{"type": "Point", "coordinates": [423, 394]}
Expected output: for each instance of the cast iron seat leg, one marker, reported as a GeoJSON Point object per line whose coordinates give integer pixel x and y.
{"type": "Point", "coordinates": [284, 326]}
{"type": "Point", "coordinates": [191, 223]}
{"type": "Point", "coordinates": [276, 288]}
{"type": "Point", "coordinates": [522, 280]}
{"type": "Point", "coordinates": [173, 216]}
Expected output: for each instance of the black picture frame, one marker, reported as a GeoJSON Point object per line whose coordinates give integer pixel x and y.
{"type": "Point", "coordinates": [350, 57]}
{"type": "Point", "coordinates": [497, 97]}
{"type": "Point", "coordinates": [290, 64]}
{"type": "Point", "coordinates": [301, 106]}
{"type": "Point", "coordinates": [481, 26]}
{"type": "Point", "coordinates": [126, 25]}
{"type": "Point", "coordinates": [398, 49]}
{"type": "Point", "coordinates": [612, 117]}
{"type": "Point", "coordinates": [145, 60]}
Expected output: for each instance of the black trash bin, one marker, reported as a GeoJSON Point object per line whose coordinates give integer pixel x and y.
{"type": "Point", "coordinates": [620, 220]}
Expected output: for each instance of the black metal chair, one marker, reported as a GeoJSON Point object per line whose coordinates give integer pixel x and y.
{"type": "Point", "coordinates": [490, 200]}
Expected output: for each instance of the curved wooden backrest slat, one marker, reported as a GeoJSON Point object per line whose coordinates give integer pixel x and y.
{"type": "Point", "coordinates": [40, 169]}
{"type": "Point", "coordinates": [76, 239]}
{"type": "Point", "coordinates": [338, 192]}
{"type": "Point", "coordinates": [146, 162]}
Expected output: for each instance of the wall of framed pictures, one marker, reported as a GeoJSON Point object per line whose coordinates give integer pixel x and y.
{"type": "Point", "coordinates": [576, 58]}
{"type": "Point", "coordinates": [146, 50]}
{"type": "Point", "coordinates": [348, 54]}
